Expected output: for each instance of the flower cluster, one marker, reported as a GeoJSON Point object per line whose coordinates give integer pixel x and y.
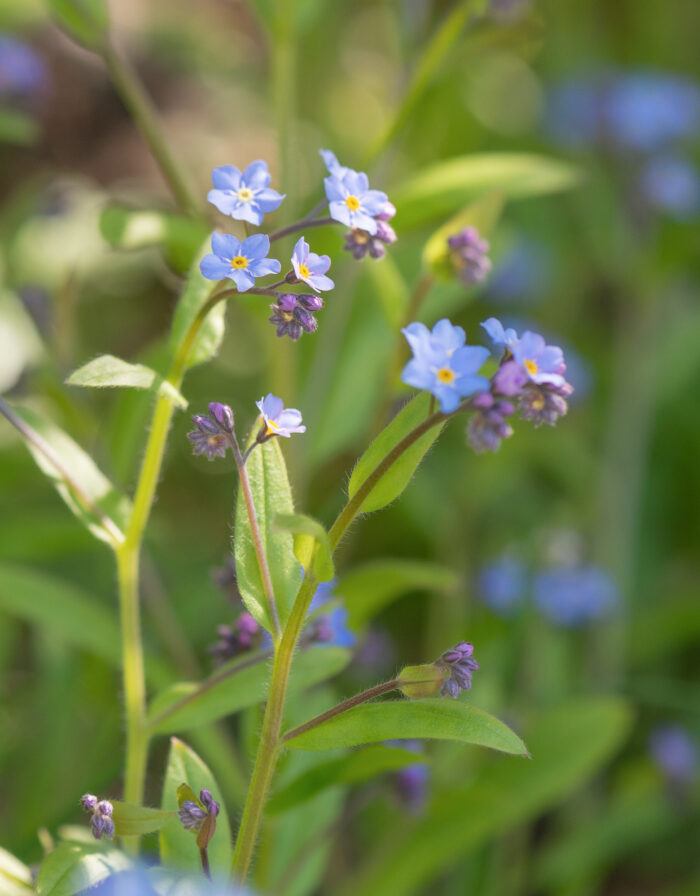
{"type": "Point", "coordinates": [101, 821]}
{"type": "Point", "coordinates": [192, 814]}
{"type": "Point", "coordinates": [244, 635]}
{"type": "Point", "coordinates": [469, 254]}
{"type": "Point", "coordinates": [292, 314]}
{"type": "Point", "coordinates": [457, 666]}
{"type": "Point", "coordinates": [213, 433]}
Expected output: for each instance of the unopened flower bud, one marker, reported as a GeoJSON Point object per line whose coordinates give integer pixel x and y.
{"type": "Point", "coordinates": [421, 681]}
{"type": "Point", "coordinates": [222, 414]}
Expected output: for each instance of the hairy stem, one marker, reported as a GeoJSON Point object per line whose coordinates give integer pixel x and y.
{"type": "Point", "coordinates": [145, 117]}
{"type": "Point", "coordinates": [300, 225]}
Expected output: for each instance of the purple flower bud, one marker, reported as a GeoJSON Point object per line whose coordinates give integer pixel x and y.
{"type": "Point", "coordinates": [89, 802]}
{"type": "Point", "coordinates": [191, 815]}
{"type": "Point", "coordinates": [287, 302]}
{"type": "Point", "coordinates": [107, 828]}
{"type": "Point", "coordinates": [469, 255]}
{"type": "Point", "coordinates": [235, 639]}
{"type": "Point", "coordinates": [509, 379]}
{"type": "Point", "coordinates": [483, 400]}
{"type": "Point", "coordinates": [104, 807]}
{"type": "Point", "coordinates": [205, 424]}
{"type": "Point", "coordinates": [222, 414]}
{"type": "Point", "coordinates": [97, 825]}
{"type": "Point", "coordinates": [543, 403]}
{"type": "Point", "coordinates": [458, 666]}
{"type": "Point", "coordinates": [209, 802]}
{"type": "Point", "coordinates": [487, 428]}
{"type": "Point", "coordinates": [306, 320]}
{"type": "Point", "coordinates": [387, 212]}
{"type": "Point", "coordinates": [311, 302]}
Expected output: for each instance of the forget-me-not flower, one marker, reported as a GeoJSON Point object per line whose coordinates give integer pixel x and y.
{"type": "Point", "coordinates": [278, 420]}
{"type": "Point", "coordinates": [501, 338]}
{"type": "Point", "coordinates": [22, 70]}
{"type": "Point", "coordinates": [330, 628]}
{"type": "Point", "coordinates": [502, 585]}
{"type": "Point", "coordinates": [240, 261]}
{"type": "Point", "coordinates": [351, 201]}
{"type": "Point", "coordinates": [245, 196]}
{"type": "Point", "coordinates": [442, 363]}
{"type": "Point", "coordinates": [574, 595]}
{"type": "Point", "coordinates": [541, 363]}
{"type": "Point", "coordinates": [310, 267]}
{"type": "Point", "coordinates": [332, 164]}
{"type": "Point", "coordinates": [671, 184]}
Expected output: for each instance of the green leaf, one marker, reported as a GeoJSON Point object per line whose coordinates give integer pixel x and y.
{"type": "Point", "coordinates": [137, 820]}
{"type": "Point", "coordinates": [15, 876]}
{"type": "Point", "coordinates": [63, 455]}
{"type": "Point", "coordinates": [397, 477]}
{"type": "Point", "coordinates": [223, 693]}
{"type": "Point", "coordinates": [60, 607]}
{"type": "Point", "coordinates": [177, 846]}
{"type": "Point", "coordinates": [443, 188]}
{"type": "Point", "coordinates": [106, 371]}
{"type": "Point", "coordinates": [180, 236]}
{"type": "Point", "coordinates": [311, 545]}
{"type": "Point", "coordinates": [73, 867]}
{"type": "Point", "coordinates": [369, 588]}
{"type": "Point", "coordinates": [482, 214]}
{"type": "Point", "coordinates": [569, 744]}
{"type": "Point", "coordinates": [86, 21]}
{"type": "Point", "coordinates": [358, 766]}
{"type": "Point", "coordinates": [272, 496]}
{"type": "Point", "coordinates": [441, 719]}
{"type": "Point", "coordinates": [17, 127]}
{"type": "Point", "coordinates": [197, 292]}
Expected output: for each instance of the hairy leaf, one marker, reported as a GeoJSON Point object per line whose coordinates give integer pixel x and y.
{"type": "Point", "coordinates": [137, 820]}
{"type": "Point", "coordinates": [110, 372]}
{"type": "Point", "coordinates": [73, 867]}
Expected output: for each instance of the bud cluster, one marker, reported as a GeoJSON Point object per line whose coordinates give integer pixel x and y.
{"type": "Point", "coordinates": [469, 254]}
{"type": "Point", "coordinates": [192, 814]}
{"type": "Point", "coordinates": [361, 242]}
{"type": "Point", "coordinates": [458, 666]}
{"type": "Point", "coordinates": [211, 437]}
{"type": "Point", "coordinates": [292, 314]}
{"type": "Point", "coordinates": [101, 822]}
{"type": "Point", "coordinates": [242, 636]}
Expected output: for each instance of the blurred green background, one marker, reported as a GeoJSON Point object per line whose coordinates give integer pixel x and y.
{"type": "Point", "coordinates": [599, 270]}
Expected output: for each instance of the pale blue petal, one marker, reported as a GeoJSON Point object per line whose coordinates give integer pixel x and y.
{"type": "Point", "coordinates": [417, 374]}
{"type": "Point", "coordinates": [542, 377]}
{"type": "Point", "coordinates": [373, 202]}
{"type": "Point", "coordinates": [256, 176]}
{"type": "Point", "coordinates": [271, 406]}
{"type": "Point", "coordinates": [225, 245]}
{"type": "Point", "coordinates": [355, 182]}
{"type": "Point", "coordinates": [494, 330]}
{"type": "Point", "coordinates": [551, 360]}
{"type": "Point", "coordinates": [248, 211]}
{"type": "Point", "coordinates": [447, 396]}
{"type": "Point", "coordinates": [289, 419]}
{"type": "Point", "coordinates": [340, 212]}
{"type": "Point", "coordinates": [418, 337]}
{"type": "Point", "coordinates": [335, 189]}
{"type": "Point", "coordinates": [331, 162]}
{"type": "Point", "coordinates": [225, 201]}
{"type": "Point", "coordinates": [447, 336]}
{"type": "Point", "coordinates": [242, 278]}
{"type": "Point", "coordinates": [469, 384]}
{"type": "Point", "coordinates": [363, 222]}
{"type": "Point", "coordinates": [300, 252]}
{"type": "Point", "coordinates": [227, 177]}
{"type": "Point", "coordinates": [320, 282]}
{"type": "Point", "coordinates": [262, 266]}
{"type": "Point", "coordinates": [255, 246]}
{"type": "Point", "coordinates": [268, 200]}
{"type": "Point", "coordinates": [318, 264]}
{"type": "Point", "coordinates": [530, 346]}
{"type": "Point", "coordinates": [469, 359]}
{"type": "Point", "coordinates": [214, 268]}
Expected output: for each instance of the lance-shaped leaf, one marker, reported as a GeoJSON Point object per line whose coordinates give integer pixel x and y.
{"type": "Point", "coordinates": [311, 546]}
{"type": "Point", "coordinates": [358, 766]}
{"type": "Point", "coordinates": [109, 372]}
{"type": "Point", "coordinates": [442, 719]}
{"type": "Point", "coordinates": [74, 867]}
{"type": "Point", "coordinates": [197, 292]}
{"type": "Point", "coordinates": [130, 820]}
{"type": "Point", "coordinates": [369, 588]}
{"type": "Point", "coordinates": [569, 744]}
{"type": "Point", "coordinates": [128, 228]}
{"type": "Point", "coordinates": [399, 474]}
{"type": "Point", "coordinates": [482, 215]}
{"type": "Point", "coordinates": [85, 489]}
{"type": "Point", "coordinates": [236, 686]}
{"type": "Point", "coordinates": [441, 189]}
{"type": "Point", "coordinates": [177, 845]}
{"type": "Point", "coordinates": [272, 496]}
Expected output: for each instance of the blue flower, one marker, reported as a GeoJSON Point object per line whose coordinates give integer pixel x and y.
{"type": "Point", "coordinates": [332, 164]}
{"type": "Point", "coordinates": [22, 71]}
{"type": "Point", "coordinates": [499, 336]}
{"type": "Point", "coordinates": [310, 267]}
{"type": "Point", "coordinates": [543, 364]}
{"type": "Point", "coordinates": [244, 196]}
{"type": "Point", "coordinates": [574, 595]}
{"type": "Point", "coordinates": [674, 752]}
{"type": "Point", "coordinates": [330, 628]}
{"type": "Point", "coordinates": [502, 585]}
{"type": "Point", "coordinates": [350, 199]}
{"type": "Point", "coordinates": [671, 184]}
{"type": "Point", "coordinates": [278, 420]}
{"type": "Point", "coordinates": [442, 364]}
{"type": "Point", "coordinates": [240, 261]}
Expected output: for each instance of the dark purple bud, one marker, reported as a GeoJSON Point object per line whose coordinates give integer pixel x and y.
{"type": "Point", "coordinates": [205, 424]}
{"type": "Point", "coordinates": [222, 414]}
{"type": "Point", "coordinates": [306, 320]}
{"type": "Point", "coordinates": [191, 815]}
{"type": "Point", "coordinates": [104, 807]}
{"type": "Point", "coordinates": [209, 802]}
{"type": "Point", "coordinates": [235, 639]}
{"type": "Point", "coordinates": [97, 825]}
{"type": "Point", "coordinates": [107, 828]}
{"type": "Point", "coordinates": [287, 302]}
{"type": "Point", "coordinates": [458, 665]}
{"type": "Point", "coordinates": [509, 379]}
{"type": "Point", "coordinates": [89, 802]}
{"type": "Point", "coordinates": [311, 302]}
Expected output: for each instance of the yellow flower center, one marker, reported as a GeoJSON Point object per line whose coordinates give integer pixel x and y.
{"type": "Point", "coordinates": [445, 375]}
{"type": "Point", "coordinates": [272, 428]}
{"type": "Point", "coordinates": [304, 271]}
{"type": "Point", "coordinates": [240, 261]}
{"type": "Point", "coordinates": [531, 367]}
{"type": "Point", "coordinates": [244, 194]}
{"type": "Point", "coordinates": [353, 203]}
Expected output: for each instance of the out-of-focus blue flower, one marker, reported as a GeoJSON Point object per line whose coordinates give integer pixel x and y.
{"type": "Point", "coordinates": [240, 261]}
{"type": "Point", "coordinates": [522, 275]}
{"type": "Point", "coordinates": [500, 337]}
{"type": "Point", "coordinates": [310, 267]}
{"type": "Point", "coordinates": [142, 881]}
{"type": "Point", "coordinates": [22, 70]}
{"type": "Point", "coordinates": [502, 585]}
{"type": "Point", "coordinates": [571, 596]}
{"type": "Point", "coordinates": [671, 184]}
{"type": "Point", "coordinates": [352, 202]}
{"type": "Point", "coordinates": [332, 164]}
{"type": "Point", "coordinates": [543, 364]}
{"type": "Point", "coordinates": [412, 781]}
{"type": "Point", "coordinates": [278, 420]}
{"type": "Point", "coordinates": [442, 364]}
{"type": "Point", "coordinates": [636, 112]}
{"type": "Point", "coordinates": [330, 628]}
{"type": "Point", "coordinates": [674, 752]}
{"type": "Point", "coordinates": [245, 196]}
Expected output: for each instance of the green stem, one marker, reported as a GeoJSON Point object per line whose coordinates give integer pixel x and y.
{"type": "Point", "coordinates": [270, 745]}
{"type": "Point", "coordinates": [145, 117]}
